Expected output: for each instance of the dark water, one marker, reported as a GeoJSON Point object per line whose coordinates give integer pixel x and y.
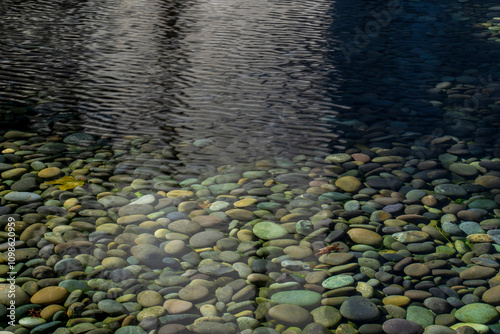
{"type": "Point", "coordinates": [227, 81]}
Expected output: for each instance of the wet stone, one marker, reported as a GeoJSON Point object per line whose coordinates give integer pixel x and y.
{"type": "Point", "coordinates": [478, 313]}
{"type": "Point", "coordinates": [470, 227]}
{"type": "Point", "coordinates": [269, 230]}
{"type": "Point", "coordinates": [289, 314]}
{"type": "Point", "coordinates": [397, 326]}
{"type": "Point", "coordinates": [338, 281]}
{"type": "Point", "coordinates": [358, 308]}
{"type": "Point", "coordinates": [449, 189]}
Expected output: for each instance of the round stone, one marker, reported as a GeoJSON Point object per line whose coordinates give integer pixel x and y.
{"type": "Point", "coordinates": [110, 306]}
{"type": "Point", "coordinates": [31, 322]}
{"type": "Point", "coordinates": [245, 202]}
{"type": "Point", "coordinates": [175, 306]}
{"type": "Point", "coordinates": [193, 293]}
{"type": "Point", "coordinates": [337, 281]}
{"type": "Point", "coordinates": [22, 197]}
{"type": "Point", "coordinates": [269, 231]}
{"type": "Point", "coordinates": [463, 169]}
{"type": "Point", "coordinates": [49, 173]}
{"type": "Point", "coordinates": [303, 298]}
{"type": "Point", "coordinates": [397, 326]}
{"type": "Point", "coordinates": [396, 300]}
{"type": "Point", "coordinates": [338, 158]}
{"type": "Point", "coordinates": [179, 193]}
{"type": "Point", "coordinates": [492, 296]}
{"type": "Point", "coordinates": [365, 237]}
{"type": "Point", "coordinates": [488, 181]}
{"type": "Point", "coordinates": [449, 189]}
{"type": "Point", "coordinates": [289, 314]}
{"type": "Point", "coordinates": [150, 255]}
{"type": "Point", "coordinates": [348, 184]}
{"type": "Point", "coordinates": [50, 295]}
{"type": "Point", "coordinates": [211, 327]}
{"type": "Point", "coordinates": [298, 252]}
{"type": "Point", "coordinates": [478, 313]}
{"type": "Point", "coordinates": [420, 315]}
{"type": "Point", "coordinates": [79, 139]}
{"type": "Point", "coordinates": [328, 316]}
{"type": "Point", "coordinates": [130, 330]}
{"type": "Point", "coordinates": [205, 239]}
{"type": "Point", "coordinates": [358, 308]}
{"type": "Point", "coordinates": [417, 270]}
{"type": "Point", "coordinates": [410, 236]}
{"type": "Point", "coordinates": [149, 298]}
{"type": "Point", "coordinates": [477, 272]}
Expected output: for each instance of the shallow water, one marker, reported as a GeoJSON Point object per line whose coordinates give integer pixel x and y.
{"type": "Point", "coordinates": [177, 94]}
{"type": "Point", "coordinates": [245, 80]}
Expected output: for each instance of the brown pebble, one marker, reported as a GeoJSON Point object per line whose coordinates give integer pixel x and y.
{"type": "Point", "coordinates": [429, 200]}
{"type": "Point", "coordinates": [417, 270]}
{"type": "Point", "coordinates": [418, 294]}
{"type": "Point", "coordinates": [477, 272]}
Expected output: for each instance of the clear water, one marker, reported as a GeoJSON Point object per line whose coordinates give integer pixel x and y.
{"type": "Point", "coordinates": [240, 79]}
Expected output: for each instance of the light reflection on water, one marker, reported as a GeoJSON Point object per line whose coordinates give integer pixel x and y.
{"type": "Point", "coordinates": [249, 78]}
{"type": "Point", "coordinates": [219, 81]}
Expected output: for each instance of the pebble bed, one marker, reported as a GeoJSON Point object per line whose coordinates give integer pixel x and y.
{"type": "Point", "coordinates": [399, 233]}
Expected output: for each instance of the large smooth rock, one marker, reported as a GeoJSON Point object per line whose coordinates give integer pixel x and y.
{"type": "Point", "coordinates": [358, 308]}
{"type": "Point", "coordinates": [478, 313]}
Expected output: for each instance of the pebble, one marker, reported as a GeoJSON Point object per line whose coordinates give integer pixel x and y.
{"type": "Point", "coordinates": [302, 298]}
{"type": "Point", "coordinates": [269, 231]}
{"type": "Point", "coordinates": [358, 308]}
{"type": "Point", "coordinates": [396, 326]}
{"type": "Point", "coordinates": [50, 295]}
{"type": "Point", "coordinates": [289, 314]}
{"type": "Point", "coordinates": [478, 313]}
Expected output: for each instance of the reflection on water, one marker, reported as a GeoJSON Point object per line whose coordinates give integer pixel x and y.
{"type": "Point", "coordinates": [225, 81]}
{"type": "Point", "coordinates": [240, 79]}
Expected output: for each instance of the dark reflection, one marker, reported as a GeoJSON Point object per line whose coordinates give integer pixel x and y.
{"type": "Point", "coordinates": [224, 81]}
{"type": "Point", "coordinates": [220, 81]}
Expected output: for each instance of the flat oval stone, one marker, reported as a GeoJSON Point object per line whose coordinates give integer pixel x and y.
{"type": "Point", "coordinates": [410, 236]}
{"type": "Point", "coordinates": [477, 272]}
{"type": "Point", "coordinates": [205, 239]}
{"type": "Point", "coordinates": [463, 169]}
{"type": "Point", "coordinates": [269, 230]}
{"type": "Point", "coordinates": [192, 293]}
{"type": "Point", "coordinates": [31, 322]}
{"type": "Point", "coordinates": [417, 270]}
{"type": "Point", "coordinates": [478, 313]}
{"type": "Point", "coordinates": [49, 172]}
{"type": "Point", "coordinates": [450, 189]}
{"type": "Point", "coordinates": [365, 237]}
{"type": "Point", "coordinates": [348, 184]}
{"type": "Point", "coordinates": [397, 326]}
{"type": "Point", "coordinates": [50, 295]}
{"type": "Point", "coordinates": [290, 314]}
{"type": "Point", "coordinates": [337, 281]}
{"type": "Point", "coordinates": [358, 308]}
{"type": "Point", "coordinates": [488, 181]}
{"type": "Point", "coordinates": [22, 197]}
{"type": "Point", "coordinates": [304, 298]}
{"type": "Point", "coordinates": [336, 259]}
